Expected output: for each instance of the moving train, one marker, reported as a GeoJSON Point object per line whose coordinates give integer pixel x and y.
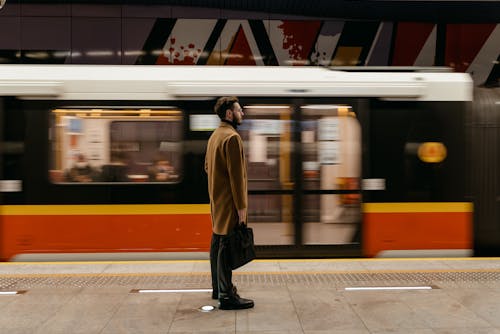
{"type": "Point", "coordinates": [107, 161]}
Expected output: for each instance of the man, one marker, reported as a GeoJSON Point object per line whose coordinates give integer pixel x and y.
{"type": "Point", "coordinates": [227, 187]}
{"type": "Point", "coordinates": [81, 171]}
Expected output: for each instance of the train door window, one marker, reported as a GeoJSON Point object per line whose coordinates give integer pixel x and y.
{"type": "Point", "coordinates": [331, 154]}
{"type": "Point", "coordinates": [266, 132]}
{"type": "Point", "coordinates": [116, 145]}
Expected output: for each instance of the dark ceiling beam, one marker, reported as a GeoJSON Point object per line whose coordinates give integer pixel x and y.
{"type": "Point", "coordinates": [392, 10]}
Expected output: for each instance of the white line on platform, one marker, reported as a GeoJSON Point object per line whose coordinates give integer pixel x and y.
{"type": "Point", "coordinates": [368, 288]}
{"type": "Point", "coordinates": [172, 290]}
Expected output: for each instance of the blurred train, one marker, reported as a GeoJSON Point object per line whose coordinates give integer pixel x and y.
{"type": "Point", "coordinates": [108, 160]}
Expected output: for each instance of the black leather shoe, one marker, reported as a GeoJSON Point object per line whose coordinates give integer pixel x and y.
{"type": "Point", "coordinates": [235, 303]}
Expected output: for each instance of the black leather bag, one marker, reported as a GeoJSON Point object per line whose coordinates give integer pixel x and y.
{"type": "Point", "coordinates": [241, 246]}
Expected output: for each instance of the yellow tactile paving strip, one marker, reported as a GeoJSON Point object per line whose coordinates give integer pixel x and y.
{"type": "Point", "coordinates": [202, 279]}
{"type": "Point", "coordinates": [174, 274]}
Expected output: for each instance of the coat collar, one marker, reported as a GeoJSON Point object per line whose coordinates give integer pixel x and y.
{"type": "Point", "coordinates": [227, 125]}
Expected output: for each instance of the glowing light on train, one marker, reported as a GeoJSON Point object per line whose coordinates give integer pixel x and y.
{"type": "Point", "coordinates": [432, 152]}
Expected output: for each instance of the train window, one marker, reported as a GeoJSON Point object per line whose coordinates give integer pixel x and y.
{"type": "Point", "coordinates": [331, 155]}
{"type": "Point", "coordinates": [116, 145]}
{"type": "Point", "coordinates": [203, 122]}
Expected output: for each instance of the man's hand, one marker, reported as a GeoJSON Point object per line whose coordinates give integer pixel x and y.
{"type": "Point", "coordinates": [242, 216]}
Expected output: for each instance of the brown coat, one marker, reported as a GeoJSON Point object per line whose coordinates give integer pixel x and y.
{"type": "Point", "coordinates": [227, 177]}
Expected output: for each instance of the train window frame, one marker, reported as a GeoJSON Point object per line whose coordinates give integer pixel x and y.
{"type": "Point", "coordinates": [57, 172]}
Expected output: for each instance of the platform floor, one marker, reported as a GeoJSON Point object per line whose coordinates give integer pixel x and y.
{"type": "Point", "coordinates": [447, 295]}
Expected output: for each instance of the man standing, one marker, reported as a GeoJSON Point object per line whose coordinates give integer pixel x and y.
{"type": "Point", "coordinates": [227, 187]}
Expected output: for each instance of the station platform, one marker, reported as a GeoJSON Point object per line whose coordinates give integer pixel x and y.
{"type": "Point", "coordinates": [352, 296]}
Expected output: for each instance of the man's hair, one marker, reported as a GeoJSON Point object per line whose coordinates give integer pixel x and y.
{"type": "Point", "coordinates": [223, 104]}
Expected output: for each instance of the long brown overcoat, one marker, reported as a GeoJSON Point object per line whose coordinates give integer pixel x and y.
{"type": "Point", "coordinates": [227, 177]}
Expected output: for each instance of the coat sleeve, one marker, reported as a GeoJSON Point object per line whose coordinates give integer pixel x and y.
{"type": "Point", "coordinates": [206, 164]}
{"type": "Point", "coordinates": [237, 171]}
{"type": "Point", "coordinates": [206, 156]}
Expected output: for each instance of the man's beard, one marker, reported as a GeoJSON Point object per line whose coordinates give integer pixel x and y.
{"type": "Point", "coordinates": [235, 123]}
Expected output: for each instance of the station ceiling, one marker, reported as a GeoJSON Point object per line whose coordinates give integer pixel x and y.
{"type": "Point", "coordinates": [386, 9]}
{"type": "Point", "coordinates": [430, 10]}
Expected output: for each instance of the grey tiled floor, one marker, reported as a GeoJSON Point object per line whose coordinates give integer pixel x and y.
{"type": "Point", "coordinates": [463, 303]}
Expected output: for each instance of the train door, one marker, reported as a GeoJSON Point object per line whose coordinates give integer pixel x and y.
{"type": "Point", "coordinates": [304, 169]}
{"type": "Point", "coordinates": [331, 169]}
{"type": "Point", "coordinates": [267, 134]}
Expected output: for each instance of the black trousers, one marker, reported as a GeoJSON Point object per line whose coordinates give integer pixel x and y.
{"type": "Point", "coordinates": [219, 266]}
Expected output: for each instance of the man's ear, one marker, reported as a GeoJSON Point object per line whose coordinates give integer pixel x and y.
{"type": "Point", "coordinates": [229, 115]}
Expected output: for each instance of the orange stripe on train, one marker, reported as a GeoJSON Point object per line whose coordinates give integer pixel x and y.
{"type": "Point", "coordinates": [414, 226]}
{"type": "Point", "coordinates": [104, 233]}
